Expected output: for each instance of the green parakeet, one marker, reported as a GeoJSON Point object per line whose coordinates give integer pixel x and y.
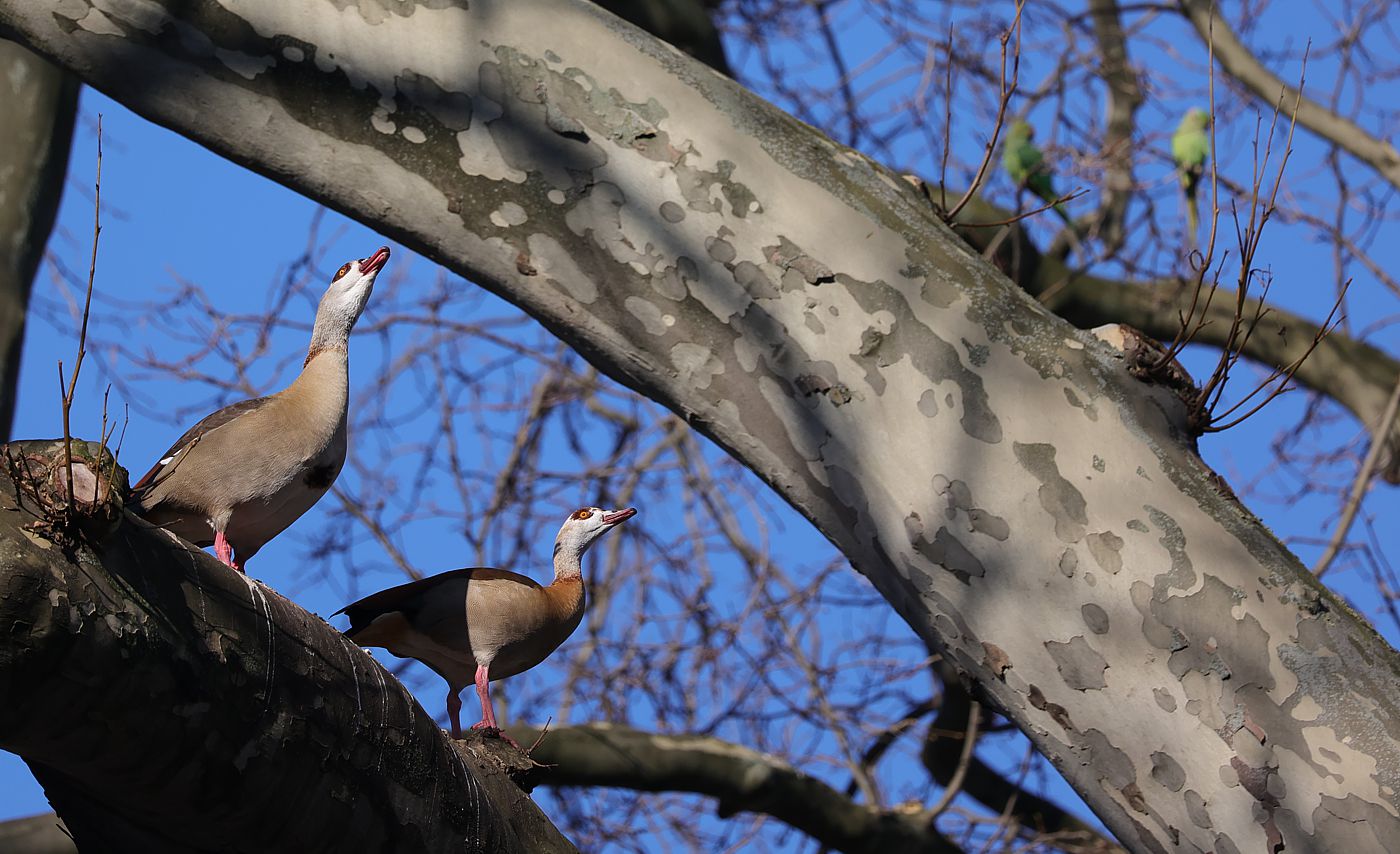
{"type": "Point", "coordinates": [1025, 163]}
{"type": "Point", "coordinates": [1190, 149]}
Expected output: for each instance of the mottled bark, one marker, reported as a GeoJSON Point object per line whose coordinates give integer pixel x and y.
{"type": "Point", "coordinates": [742, 780]}
{"type": "Point", "coordinates": [41, 101]}
{"type": "Point", "coordinates": [1017, 497]}
{"type": "Point", "coordinates": [172, 704]}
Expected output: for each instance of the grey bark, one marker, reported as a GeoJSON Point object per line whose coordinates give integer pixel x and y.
{"type": "Point", "coordinates": [173, 704]}
{"type": "Point", "coordinates": [41, 102]}
{"type": "Point", "coordinates": [1010, 490]}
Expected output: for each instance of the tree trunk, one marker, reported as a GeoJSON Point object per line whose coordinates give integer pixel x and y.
{"type": "Point", "coordinates": [41, 102]}
{"type": "Point", "coordinates": [173, 704]}
{"type": "Point", "coordinates": [1017, 497]}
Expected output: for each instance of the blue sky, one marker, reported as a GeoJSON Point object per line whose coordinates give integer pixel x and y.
{"type": "Point", "coordinates": [174, 212]}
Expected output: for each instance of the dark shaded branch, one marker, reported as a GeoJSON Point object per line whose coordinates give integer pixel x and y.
{"type": "Point", "coordinates": [1239, 62]}
{"type": "Point", "coordinates": [743, 780]}
{"type": "Point", "coordinates": [1124, 98]}
{"type": "Point", "coordinates": [41, 101]}
{"type": "Point", "coordinates": [161, 686]}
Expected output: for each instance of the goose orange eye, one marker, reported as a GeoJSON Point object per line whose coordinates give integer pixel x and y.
{"type": "Point", "coordinates": [582, 514]}
{"type": "Point", "coordinates": [343, 271]}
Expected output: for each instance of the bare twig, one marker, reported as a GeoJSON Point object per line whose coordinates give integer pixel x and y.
{"type": "Point", "coordinates": [1006, 92]}
{"type": "Point", "coordinates": [1380, 438]}
{"type": "Point", "coordinates": [82, 334]}
{"type": "Point", "coordinates": [950, 791]}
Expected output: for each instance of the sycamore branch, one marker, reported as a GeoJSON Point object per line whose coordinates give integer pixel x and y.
{"type": "Point", "coordinates": [742, 780]}
{"type": "Point", "coordinates": [161, 687]}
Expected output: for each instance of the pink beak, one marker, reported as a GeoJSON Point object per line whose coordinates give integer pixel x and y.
{"type": "Point", "coordinates": [375, 261]}
{"type": "Point", "coordinates": [619, 516]}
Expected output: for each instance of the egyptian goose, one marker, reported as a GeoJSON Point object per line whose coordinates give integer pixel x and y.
{"type": "Point", "coordinates": [480, 625]}
{"type": "Point", "coordinates": [239, 477]}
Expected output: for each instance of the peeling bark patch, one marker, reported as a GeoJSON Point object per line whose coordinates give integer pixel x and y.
{"type": "Point", "coordinates": [788, 256]}
{"type": "Point", "coordinates": [1214, 641]}
{"type": "Point", "coordinates": [928, 404]}
{"type": "Point", "coordinates": [959, 498]}
{"type": "Point", "coordinates": [507, 215]}
{"type": "Point", "coordinates": [995, 658]}
{"type": "Point", "coordinates": [1080, 664]}
{"type": "Point", "coordinates": [1354, 825]}
{"type": "Point", "coordinates": [1168, 772]}
{"type": "Point", "coordinates": [932, 356]}
{"type": "Point", "coordinates": [695, 365]}
{"type": "Point", "coordinates": [1165, 701]}
{"type": "Point", "coordinates": [944, 550]}
{"type": "Point", "coordinates": [1095, 618]}
{"type": "Point", "coordinates": [977, 354]}
{"type": "Point", "coordinates": [1058, 497]}
{"type": "Point", "coordinates": [672, 212]}
{"type": "Point", "coordinates": [1196, 809]}
{"type": "Point", "coordinates": [1088, 408]}
{"type": "Point", "coordinates": [1069, 562]}
{"type": "Point", "coordinates": [1106, 548]}
{"type": "Point", "coordinates": [529, 105]}
{"type": "Point", "coordinates": [1056, 712]}
{"type": "Point", "coordinates": [823, 383]}
{"type": "Point", "coordinates": [549, 258]}
{"type": "Point", "coordinates": [651, 317]}
{"type": "Point", "coordinates": [1181, 576]}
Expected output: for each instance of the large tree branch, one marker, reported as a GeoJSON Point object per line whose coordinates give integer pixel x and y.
{"type": "Point", "coordinates": [1239, 62]}
{"type": "Point", "coordinates": [158, 683]}
{"type": "Point", "coordinates": [742, 780]}
{"type": "Point", "coordinates": [1013, 493]}
{"type": "Point", "coordinates": [41, 102]}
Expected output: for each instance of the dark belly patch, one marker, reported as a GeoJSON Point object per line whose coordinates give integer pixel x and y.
{"type": "Point", "coordinates": [321, 477]}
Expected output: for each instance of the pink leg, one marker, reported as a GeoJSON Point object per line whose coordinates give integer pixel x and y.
{"type": "Point", "coordinates": [488, 713]}
{"type": "Point", "coordinates": [483, 691]}
{"type": "Point", "coordinates": [454, 711]}
{"type": "Point", "coordinates": [223, 551]}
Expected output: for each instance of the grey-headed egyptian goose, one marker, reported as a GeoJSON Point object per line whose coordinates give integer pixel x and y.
{"type": "Point", "coordinates": [480, 625]}
{"type": "Point", "coordinates": [240, 476]}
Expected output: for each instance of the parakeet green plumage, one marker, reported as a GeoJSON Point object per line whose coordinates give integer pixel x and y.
{"type": "Point", "coordinates": [1025, 163]}
{"type": "Point", "coordinates": [1190, 149]}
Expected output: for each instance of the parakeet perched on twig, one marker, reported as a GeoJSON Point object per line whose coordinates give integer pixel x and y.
{"type": "Point", "coordinates": [1025, 163]}
{"type": "Point", "coordinates": [1190, 149]}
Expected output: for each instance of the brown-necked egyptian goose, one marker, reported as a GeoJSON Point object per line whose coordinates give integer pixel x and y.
{"type": "Point", "coordinates": [480, 625]}
{"type": "Point", "coordinates": [239, 477]}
